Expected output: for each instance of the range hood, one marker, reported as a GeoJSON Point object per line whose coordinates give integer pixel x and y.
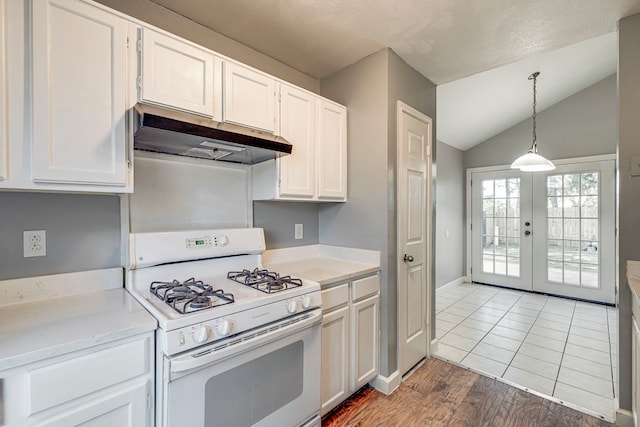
{"type": "Point", "coordinates": [167, 131]}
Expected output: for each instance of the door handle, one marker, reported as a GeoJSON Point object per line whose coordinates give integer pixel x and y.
{"type": "Point", "coordinates": [526, 233]}
{"type": "Point", "coordinates": [408, 258]}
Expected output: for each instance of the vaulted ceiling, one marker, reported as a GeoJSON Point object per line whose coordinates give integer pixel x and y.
{"type": "Point", "coordinates": [445, 40]}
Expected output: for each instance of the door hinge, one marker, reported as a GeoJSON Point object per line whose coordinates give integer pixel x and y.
{"type": "Point", "coordinates": [139, 82]}
{"type": "Point", "coordinates": [139, 45]}
{"type": "Point", "coordinates": [148, 402]}
{"type": "Point", "coordinates": [471, 226]}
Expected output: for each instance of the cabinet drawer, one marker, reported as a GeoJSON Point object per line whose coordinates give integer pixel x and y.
{"type": "Point", "coordinates": [335, 297]}
{"type": "Point", "coordinates": [365, 287]}
{"type": "Point", "coordinates": [74, 378]}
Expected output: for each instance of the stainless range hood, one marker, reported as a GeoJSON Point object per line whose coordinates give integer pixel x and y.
{"type": "Point", "coordinates": [167, 131]}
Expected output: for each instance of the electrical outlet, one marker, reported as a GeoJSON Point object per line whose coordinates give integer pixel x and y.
{"type": "Point", "coordinates": [35, 243]}
{"type": "Point", "coordinates": [298, 232]}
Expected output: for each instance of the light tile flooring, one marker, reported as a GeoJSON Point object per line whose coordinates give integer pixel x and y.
{"type": "Point", "coordinates": [554, 346]}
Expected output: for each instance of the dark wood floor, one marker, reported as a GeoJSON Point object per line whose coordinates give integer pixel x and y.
{"type": "Point", "coordinates": [442, 394]}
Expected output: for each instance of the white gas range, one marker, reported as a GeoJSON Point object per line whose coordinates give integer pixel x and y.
{"type": "Point", "coordinates": [236, 345]}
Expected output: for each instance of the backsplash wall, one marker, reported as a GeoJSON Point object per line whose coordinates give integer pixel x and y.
{"type": "Point", "coordinates": [279, 218]}
{"type": "Point", "coordinates": [83, 232]}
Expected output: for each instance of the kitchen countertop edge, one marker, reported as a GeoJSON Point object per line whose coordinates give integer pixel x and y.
{"type": "Point", "coordinates": [633, 277]}
{"type": "Point", "coordinates": [314, 263]}
{"type": "Point", "coordinates": [49, 335]}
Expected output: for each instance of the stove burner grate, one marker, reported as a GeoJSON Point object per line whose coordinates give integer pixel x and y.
{"type": "Point", "coordinates": [264, 280]}
{"type": "Point", "coordinates": [190, 296]}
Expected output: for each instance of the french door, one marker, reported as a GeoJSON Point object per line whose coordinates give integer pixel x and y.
{"type": "Point", "coordinates": [550, 232]}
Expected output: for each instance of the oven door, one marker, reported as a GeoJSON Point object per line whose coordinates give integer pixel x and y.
{"type": "Point", "coordinates": [269, 377]}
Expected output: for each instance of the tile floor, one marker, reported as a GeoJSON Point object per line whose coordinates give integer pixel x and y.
{"type": "Point", "coordinates": [554, 346]}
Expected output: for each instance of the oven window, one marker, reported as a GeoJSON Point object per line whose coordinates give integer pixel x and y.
{"type": "Point", "coordinates": [244, 395]}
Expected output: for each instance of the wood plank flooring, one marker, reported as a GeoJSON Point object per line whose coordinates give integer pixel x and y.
{"type": "Point", "coordinates": [441, 394]}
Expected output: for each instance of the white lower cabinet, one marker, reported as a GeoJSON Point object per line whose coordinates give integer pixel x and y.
{"type": "Point", "coordinates": [108, 385]}
{"type": "Point", "coordinates": [364, 341]}
{"type": "Point", "coordinates": [350, 334]}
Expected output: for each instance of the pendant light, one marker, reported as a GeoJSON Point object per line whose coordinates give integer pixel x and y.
{"type": "Point", "coordinates": [532, 161]}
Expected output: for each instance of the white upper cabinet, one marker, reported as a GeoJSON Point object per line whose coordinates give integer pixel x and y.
{"type": "Point", "coordinates": [79, 87]}
{"type": "Point", "coordinates": [316, 169]}
{"type": "Point", "coordinates": [297, 171]}
{"type": "Point", "coordinates": [249, 97]}
{"type": "Point", "coordinates": [332, 151]}
{"type": "Point", "coordinates": [4, 110]}
{"type": "Point", "coordinates": [180, 75]}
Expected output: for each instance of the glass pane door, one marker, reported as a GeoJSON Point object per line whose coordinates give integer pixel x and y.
{"type": "Point", "coordinates": [575, 247]}
{"type": "Point", "coordinates": [501, 207]}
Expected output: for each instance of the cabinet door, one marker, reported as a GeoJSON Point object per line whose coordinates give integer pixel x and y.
{"type": "Point", "coordinates": [79, 89]}
{"type": "Point", "coordinates": [249, 97]}
{"type": "Point", "coordinates": [125, 407]}
{"type": "Point", "coordinates": [297, 171]}
{"type": "Point", "coordinates": [4, 120]}
{"type": "Point", "coordinates": [364, 341]}
{"type": "Point", "coordinates": [332, 151]}
{"type": "Point", "coordinates": [179, 75]}
{"type": "Point", "coordinates": [335, 359]}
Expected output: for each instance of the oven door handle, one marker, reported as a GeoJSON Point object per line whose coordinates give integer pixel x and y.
{"type": "Point", "coordinates": [235, 345]}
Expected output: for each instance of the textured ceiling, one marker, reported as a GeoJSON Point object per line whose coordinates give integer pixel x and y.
{"type": "Point", "coordinates": [445, 40]}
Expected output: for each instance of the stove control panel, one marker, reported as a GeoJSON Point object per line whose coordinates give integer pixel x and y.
{"type": "Point", "coordinates": [209, 331]}
{"type": "Point", "coordinates": [206, 242]}
{"type": "Point", "coordinates": [198, 242]}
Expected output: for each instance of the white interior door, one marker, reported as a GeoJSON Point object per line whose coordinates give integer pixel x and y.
{"type": "Point", "coordinates": [501, 238]}
{"type": "Point", "coordinates": [414, 176]}
{"type": "Point", "coordinates": [550, 232]}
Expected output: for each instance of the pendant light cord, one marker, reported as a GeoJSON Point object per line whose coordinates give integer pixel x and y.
{"type": "Point", "coordinates": [534, 144]}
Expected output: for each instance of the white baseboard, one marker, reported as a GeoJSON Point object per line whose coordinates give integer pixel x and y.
{"type": "Point", "coordinates": [458, 281]}
{"type": "Point", "coordinates": [624, 418]}
{"type": "Point", "coordinates": [386, 385]}
{"type": "Point", "coordinates": [433, 347]}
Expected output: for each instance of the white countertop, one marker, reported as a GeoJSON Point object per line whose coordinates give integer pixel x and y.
{"type": "Point", "coordinates": [323, 264]}
{"type": "Point", "coordinates": [37, 329]}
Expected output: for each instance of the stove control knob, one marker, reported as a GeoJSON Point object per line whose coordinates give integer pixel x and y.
{"type": "Point", "coordinates": [223, 240]}
{"type": "Point", "coordinates": [223, 328]}
{"type": "Point", "coordinates": [201, 335]}
{"type": "Point", "coordinates": [292, 307]}
{"type": "Point", "coordinates": [306, 302]}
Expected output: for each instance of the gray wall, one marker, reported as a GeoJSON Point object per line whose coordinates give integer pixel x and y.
{"type": "Point", "coordinates": [154, 14]}
{"type": "Point", "coordinates": [629, 187]}
{"type": "Point", "coordinates": [451, 212]}
{"type": "Point", "coordinates": [279, 218]}
{"type": "Point", "coordinates": [370, 89]}
{"type": "Point", "coordinates": [584, 124]}
{"type": "Point", "coordinates": [83, 232]}
{"type": "Point", "coordinates": [362, 221]}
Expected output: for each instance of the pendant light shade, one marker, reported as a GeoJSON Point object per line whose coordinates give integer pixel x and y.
{"type": "Point", "coordinates": [532, 161]}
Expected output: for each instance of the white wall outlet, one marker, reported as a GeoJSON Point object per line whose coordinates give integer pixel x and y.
{"type": "Point", "coordinates": [299, 232]}
{"type": "Point", "coordinates": [35, 243]}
